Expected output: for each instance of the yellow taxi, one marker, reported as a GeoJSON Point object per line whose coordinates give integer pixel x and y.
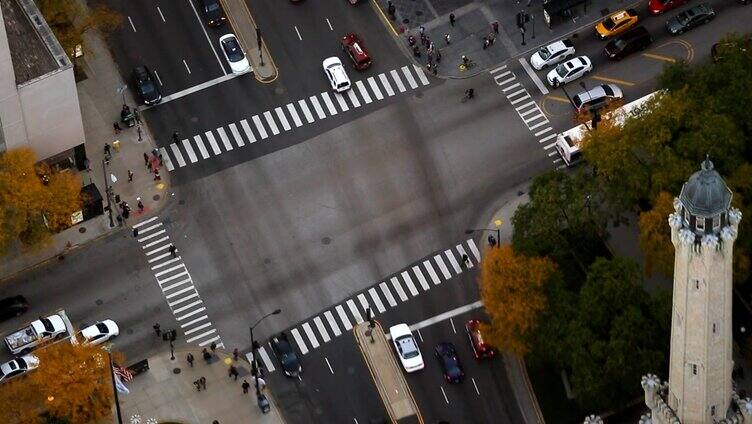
{"type": "Point", "coordinates": [616, 23]}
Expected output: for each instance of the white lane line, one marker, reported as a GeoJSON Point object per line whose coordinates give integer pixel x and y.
{"type": "Point", "coordinates": [187, 68]}
{"type": "Point", "coordinates": [509, 96]}
{"type": "Point", "coordinates": [282, 118]}
{"type": "Point", "coordinates": [431, 272]}
{"type": "Point", "coordinates": [397, 80]}
{"type": "Point", "coordinates": [521, 99]}
{"type": "Point", "coordinates": [536, 117]}
{"type": "Point", "coordinates": [546, 138]}
{"type": "Point", "coordinates": [146, 246]}
{"type": "Point", "coordinates": [387, 86]}
{"type": "Point", "coordinates": [453, 261]}
{"type": "Point", "coordinates": [533, 76]}
{"type": "Point", "coordinates": [172, 277]}
{"type": "Point", "coordinates": [201, 147]}
{"type": "Point", "coordinates": [306, 112]}
{"type": "Point", "coordinates": [515, 85]}
{"type": "Point", "coordinates": [294, 114]}
{"type": "Point", "coordinates": [189, 151]}
{"type": "Point", "coordinates": [190, 314]}
{"type": "Point", "coordinates": [376, 300]}
{"type": "Point", "coordinates": [496, 77]}
{"type": "Point", "coordinates": [193, 321]}
{"type": "Point", "coordinates": [213, 339]}
{"type": "Point", "coordinates": [225, 139]}
{"type": "Point", "coordinates": [322, 329]}
{"type": "Point", "coordinates": [541, 123]}
{"type": "Point", "coordinates": [343, 317]}
{"type": "Point", "coordinates": [188, 306]}
{"type": "Point", "coordinates": [469, 263]}
{"type": "Point", "coordinates": [165, 263]}
{"type": "Point", "coordinates": [236, 134]}
{"type": "Point", "coordinates": [398, 288]}
{"type": "Point", "coordinates": [317, 107]}
{"type": "Point", "coordinates": [525, 106]}
{"type": "Point", "coordinates": [550, 146]}
{"type": "Point", "coordinates": [311, 337]}
{"type": "Point", "coordinates": [421, 75]}
{"type": "Point", "coordinates": [446, 315]}
{"type": "Point", "coordinates": [169, 270]}
{"type": "Point", "coordinates": [149, 228]}
{"type": "Point", "coordinates": [266, 359]}
{"type": "Point", "coordinates": [364, 303]}
{"type": "Point", "coordinates": [451, 321]}
{"type": "Point", "coordinates": [543, 131]}
{"type": "Point", "coordinates": [331, 28]}
{"type": "Point", "coordinates": [183, 299]}
{"type": "Point", "coordinates": [363, 92]}
{"type": "Point", "coordinates": [341, 102]}
{"type": "Point", "coordinates": [133, 27]}
{"type": "Point", "coordinates": [375, 88]}
{"type": "Point", "coordinates": [213, 143]}
{"type": "Point", "coordinates": [329, 104]}
{"type": "Point", "coordinates": [332, 323]}
{"type": "Point", "coordinates": [142, 223]}
{"type": "Point", "coordinates": [299, 340]}
{"type": "Point", "coordinates": [421, 279]}
{"type": "Point", "coordinates": [420, 336]}
{"type": "Point", "coordinates": [442, 266]}
{"type": "Point", "coordinates": [495, 70]}
{"type": "Point", "coordinates": [474, 248]}
{"type": "Point", "coordinates": [388, 294]}
{"type": "Point", "coordinates": [179, 292]}
{"type": "Point", "coordinates": [409, 76]}
{"type": "Point", "coordinates": [178, 284]}
{"type": "Point", "coordinates": [475, 385]}
{"type": "Point", "coordinates": [353, 98]}
{"type": "Point", "coordinates": [325, 358]}
{"type": "Point", "coordinates": [270, 121]}
{"type": "Point", "coordinates": [354, 310]}
{"type": "Point", "coordinates": [298, 32]}
{"type": "Point", "coordinates": [151, 236]}
{"type": "Point", "coordinates": [508, 80]}
{"type": "Point", "coordinates": [201, 336]}
{"type": "Point", "coordinates": [260, 129]}
{"type": "Point", "coordinates": [200, 327]}
{"type": "Point", "coordinates": [166, 158]}
{"type": "Point", "coordinates": [409, 283]}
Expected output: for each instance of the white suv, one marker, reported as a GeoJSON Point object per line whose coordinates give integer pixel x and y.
{"type": "Point", "coordinates": [407, 348]}
{"type": "Point", "coordinates": [336, 74]}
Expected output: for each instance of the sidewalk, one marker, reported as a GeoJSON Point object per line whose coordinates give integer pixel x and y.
{"type": "Point", "coordinates": [165, 392]}
{"type": "Point", "coordinates": [245, 27]}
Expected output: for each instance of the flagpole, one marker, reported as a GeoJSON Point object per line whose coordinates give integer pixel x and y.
{"type": "Point", "coordinates": [114, 389]}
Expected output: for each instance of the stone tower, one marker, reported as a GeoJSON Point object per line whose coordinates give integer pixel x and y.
{"type": "Point", "coordinates": [703, 229]}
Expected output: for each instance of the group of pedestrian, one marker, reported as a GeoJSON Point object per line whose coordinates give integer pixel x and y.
{"type": "Point", "coordinates": [200, 383]}
{"type": "Point", "coordinates": [154, 162]}
{"type": "Point", "coordinates": [433, 55]}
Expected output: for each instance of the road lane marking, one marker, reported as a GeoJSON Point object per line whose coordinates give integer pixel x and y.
{"type": "Point", "coordinates": [169, 270]}
{"type": "Point", "coordinates": [172, 277]}
{"type": "Point", "coordinates": [236, 134]}
{"type": "Point", "coordinates": [432, 273]}
{"type": "Point", "coordinates": [388, 294]}
{"type": "Point", "coordinates": [451, 321]}
{"type": "Point", "coordinates": [387, 86]}
{"type": "Point", "coordinates": [149, 228]}
{"type": "Point", "coordinates": [375, 88]}
{"type": "Point", "coordinates": [549, 146]}
{"type": "Point", "coordinates": [179, 283]}
{"type": "Point", "coordinates": [322, 329]}
{"type": "Point", "coordinates": [193, 321]}
{"type": "Point", "coordinates": [512, 78]}
{"type": "Point", "coordinates": [546, 138]}
{"type": "Point", "coordinates": [330, 29]}
{"type": "Point", "coordinates": [558, 99]}
{"type": "Point", "coordinates": [282, 118]}
{"type": "Point", "coordinates": [259, 126]}
{"type": "Point", "coordinates": [398, 289]}
{"type": "Point", "coordinates": [398, 81]}
{"type": "Point", "coordinates": [409, 283]}
{"type": "Point", "coordinates": [179, 292]}
{"type": "Point", "coordinates": [327, 359]}
{"type": "Point", "coordinates": [167, 160]}
{"type": "Point", "coordinates": [265, 359]}
{"type": "Point", "coordinates": [311, 337]}
{"type": "Point", "coordinates": [421, 279]}
{"type": "Point", "coordinates": [328, 103]}
{"type": "Point", "coordinates": [442, 267]}
{"type": "Point", "coordinates": [212, 340]}
{"type": "Point", "coordinates": [364, 303]}
{"type": "Point", "coordinates": [475, 385]}
{"type": "Point", "coordinates": [188, 306]}
{"type": "Point", "coordinates": [183, 299]}
{"type": "Point", "coordinates": [353, 98]}
{"type": "Point", "coordinates": [332, 323]}
{"type": "Point", "coordinates": [299, 340]}
{"type": "Point", "coordinates": [409, 76]}
{"type": "Point", "coordinates": [201, 147]}
{"type": "Point", "coordinates": [201, 336]}
{"type": "Point", "coordinates": [540, 124]}
{"type": "Point", "coordinates": [496, 77]}
{"type": "Point", "coordinates": [142, 223]}
{"type": "Point", "coordinates": [187, 68]}
{"type": "Point", "coordinates": [535, 118]}
{"type": "Point", "coordinates": [165, 263]}
{"type": "Point", "coordinates": [453, 261]}
{"type": "Point", "coordinates": [511, 87]}
{"type": "Point", "coordinates": [421, 75]}
{"type": "Point", "coordinates": [376, 300]}
{"type": "Point", "coordinates": [298, 32]}
{"type": "Point", "coordinates": [341, 102]}
{"type": "Point", "coordinates": [213, 143]}
{"type": "Point", "coordinates": [343, 317]}
{"type": "Point", "coordinates": [146, 246]}
{"type": "Point", "coordinates": [306, 112]}
{"type": "Point", "coordinates": [225, 139]}
{"type": "Point", "coordinates": [208, 40]}
{"type": "Point", "coordinates": [543, 131]}
{"type": "Point", "coordinates": [659, 57]}
{"type": "Point", "coordinates": [133, 27]}
{"type": "Point", "coordinates": [194, 329]}
{"type": "Point", "coordinates": [520, 91]}
{"type": "Point", "coordinates": [247, 131]}
{"type": "Point", "coordinates": [495, 70]}
{"type": "Point", "coordinates": [161, 15]}
{"type": "Point", "coordinates": [363, 92]}
{"type": "Point", "coordinates": [354, 310]}
{"type": "Point", "coordinates": [151, 236]}
{"type": "Point", "coordinates": [521, 99]}
{"type": "Point", "coordinates": [270, 121]}
{"type": "Point", "coordinates": [461, 249]}
{"type": "Point", "coordinates": [526, 105]}
{"type": "Point", "coordinates": [190, 314]}
{"type": "Point", "coordinates": [189, 150]}
{"type": "Point", "coordinates": [317, 107]}
{"type": "Point", "coordinates": [446, 315]}
{"type": "Point", "coordinates": [294, 114]}
{"type": "Point", "coordinates": [420, 336]}
{"type": "Point", "coordinates": [533, 76]}
{"type": "Point", "coordinates": [614, 80]}
{"type": "Point", "coordinates": [528, 112]}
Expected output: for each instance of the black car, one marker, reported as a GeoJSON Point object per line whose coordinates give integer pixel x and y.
{"type": "Point", "coordinates": [286, 355]}
{"type": "Point", "coordinates": [213, 13]}
{"type": "Point", "coordinates": [147, 90]}
{"type": "Point", "coordinates": [11, 307]}
{"type": "Point", "coordinates": [629, 42]}
{"type": "Point", "coordinates": [690, 18]}
{"type": "Point", "coordinates": [446, 354]}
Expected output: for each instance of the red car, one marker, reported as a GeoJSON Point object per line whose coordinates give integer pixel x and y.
{"type": "Point", "coordinates": [356, 51]}
{"type": "Point", "coordinates": [481, 349]}
{"type": "Point", "coordinates": [657, 7]}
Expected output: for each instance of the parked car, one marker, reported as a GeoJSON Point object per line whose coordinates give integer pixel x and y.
{"type": "Point", "coordinates": [596, 97]}
{"type": "Point", "coordinates": [407, 348]}
{"type": "Point", "coordinates": [569, 71]}
{"type": "Point", "coordinates": [451, 368]}
{"type": "Point", "coordinates": [730, 47]}
{"type": "Point", "coordinates": [657, 7]}
{"type": "Point", "coordinates": [336, 74]}
{"type": "Point", "coordinates": [552, 54]}
{"type": "Point", "coordinates": [100, 332]}
{"type": "Point", "coordinates": [629, 42]}
{"type": "Point", "coordinates": [34, 334]}
{"type": "Point", "coordinates": [616, 23]}
{"type": "Point", "coordinates": [18, 366]}
{"type": "Point", "coordinates": [286, 355]}
{"type": "Point", "coordinates": [353, 46]}
{"type": "Point", "coordinates": [213, 13]}
{"type": "Point", "coordinates": [234, 54]}
{"type": "Point", "coordinates": [481, 349]}
{"type": "Point", "coordinates": [690, 18]}
{"type": "Point", "coordinates": [11, 307]}
{"type": "Point", "coordinates": [147, 90]}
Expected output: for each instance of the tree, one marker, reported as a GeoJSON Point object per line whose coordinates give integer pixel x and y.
{"type": "Point", "coordinates": [31, 209]}
{"type": "Point", "coordinates": [655, 236]}
{"type": "Point", "coordinates": [69, 20]}
{"type": "Point", "coordinates": [512, 288]}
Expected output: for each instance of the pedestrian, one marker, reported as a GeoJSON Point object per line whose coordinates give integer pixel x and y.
{"type": "Point", "coordinates": [174, 252]}
{"type": "Point", "coordinates": [235, 354]}
{"type": "Point", "coordinates": [429, 57]}
{"type": "Point", "coordinates": [202, 380]}
{"type": "Point", "coordinates": [175, 137]}
{"type": "Point", "coordinates": [130, 176]}
{"type": "Point", "coordinates": [429, 67]}
{"type": "Point", "coordinates": [422, 30]}
{"type": "Point", "coordinates": [451, 19]}
{"type": "Point", "coordinates": [423, 40]}
{"type": "Point", "coordinates": [233, 372]}
{"type": "Point", "coordinates": [261, 383]}
{"type": "Point", "coordinates": [107, 149]}
{"type": "Point", "coordinates": [138, 129]}
{"type": "Point", "coordinates": [161, 160]}
{"type": "Point", "coordinates": [207, 355]}
{"type": "Point", "coordinates": [448, 38]}
{"type": "Point", "coordinates": [491, 240]}
{"type": "Point", "coordinates": [495, 26]}
{"type": "Point", "coordinates": [416, 51]}
{"type": "Point", "coordinates": [137, 116]}
{"type": "Point", "coordinates": [116, 145]}
{"type": "Point", "coordinates": [486, 43]}
{"type": "Point", "coordinates": [146, 160]}
{"type": "Point", "coordinates": [140, 206]}
{"type": "Point", "coordinates": [197, 383]}
{"type": "Point", "coordinates": [435, 69]}
{"type": "Point", "coordinates": [116, 127]}
{"type": "Point", "coordinates": [213, 347]}
{"type": "Point", "coordinates": [157, 329]}
{"type": "Point", "coordinates": [135, 232]}
{"type": "Point", "coordinates": [438, 56]}
{"type": "Point", "coordinates": [465, 260]}
{"type": "Point", "coordinates": [189, 358]}
{"type": "Point", "coordinates": [430, 46]}
{"type": "Point", "coordinates": [119, 220]}
{"type": "Point", "coordinates": [491, 38]}
{"type": "Point", "coordinates": [157, 177]}
{"type": "Point", "coordinates": [245, 386]}
{"type": "Point", "coordinates": [465, 60]}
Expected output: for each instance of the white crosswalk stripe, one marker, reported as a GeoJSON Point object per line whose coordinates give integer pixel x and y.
{"type": "Point", "coordinates": [179, 292]}
{"type": "Point", "coordinates": [268, 364]}
{"type": "Point", "coordinates": [201, 336]}
{"type": "Point", "coordinates": [247, 131]}
{"type": "Point", "coordinates": [294, 114]}
{"type": "Point", "coordinates": [363, 92]}
{"type": "Point", "coordinates": [270, 122]}
{"type": "Point", "coordinates": [421, 75]}
{"type": "Point", "coordinates": [328, 102]}
{"type": "Point", "coordinates": [353, 98]}
{"type": "Point", "coordinates": [299, 340]}
{"type": "Point", "coordinates": [431, 272]}
{"type": "Point", "coordinates": [543, 131]}
{"type": "Point", "coordinates": [306, 112]}
{"type": "Point", "coordinates": [322, 330]}
{"type": "Point", "coordinates": [213, 339]}
{"type": "Point", "coordinates": [520, 99]}
{"type": "Point", "coordinates": [398, 81]}
{"type": "Point", "coordinates": [387, 86]}
{"type": "Point", "coordinates": [194, 321]}
{"type": "Point", "coordinates": [195, 329]}
{"type": "Point", "coordinates": [511, 87]}
{"type": "Point", "coordinates": [375, 88]}
{"type": "Point", "coordinates": [462, 252]}
{"type": "Point", "coordinates": [421, 279]}
{"type": "Point", "coordinates": [495, 70]}
{"type": "Point", "coordinates": [166, 159]}
{"type": "Point", "coordinates": [317, 107]}
{"type": "Point", "coordinates": [189, 150]}
{"type": "Point", "coordinates": [201, 147]}
{"type": "Point", "coordinates": [376, 300]}
{"type": "Point", "coordinates": [343, 317]}
{"type": "Point", "coordinates": [364, 303]}
{"type": "Point", "coordinates": [224, 138]}
{"type": "Point", "coordinates": [453, 261]}
{"type": "Point", "coordinates": [282, 118]}
{"type": "Point", "coordinates": [311, 337]}
{"type": "Point", "coordinates": [213, 143]}
{"type": "Point", "coordinates": [236, 135]}
{"type": "Point", "coordinates": [388, 294]}
{"type": "Point", "coordinates": [260, 129]}
{"type": "Point", "coordinates": [409, 282]}
{"type": "Point", "coordinates": [341, 102]}
{"type": "Point", "coordinates": [520, 91]}
{"type": "Point", "coordinates": [540, 124]}
{"type": "Point", "coordinates": [474, 248]}
{"type": "Point", "coordinates": [409, 77]}
{"type": "Point", "coordinates": [398, 288]}
{"type": "Point", "coordinates": [442, 267]}
{"type": "Point", "coordinates": [332, 323]}
{"type": "Point", "coordinates": [354, 311]}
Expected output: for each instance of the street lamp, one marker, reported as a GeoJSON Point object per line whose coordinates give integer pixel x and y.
{"type": "Point", "coordinates": [498, 233]}
{"type": "Point", "coordinates": [254, 366]}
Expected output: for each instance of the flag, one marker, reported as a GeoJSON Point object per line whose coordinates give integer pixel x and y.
{"type": "Point", "coordinates": [123, 372]}
{"type": "Point", "coordinates": [121, 388]}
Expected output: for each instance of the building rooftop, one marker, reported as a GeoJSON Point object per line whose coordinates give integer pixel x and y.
{"type": "Point", "coordinates": [34, 49]}
{"type": "Point", "coordinates": [705, 193]}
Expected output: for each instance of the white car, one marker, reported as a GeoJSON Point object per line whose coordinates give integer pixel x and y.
{"type": "Point", "coordinates": [569, 71]}
{"type": "Point", "coordinates": [100, 332]}
{"type": "Point", "coordinates": [336, 74]}
{"type": "Point", "coordinates": [234, 54]}
{"type": "Point", "coordinates": [18, 366]}
{"type": "Point", "coordinates": [407, 348]}
{"type": "Point", "coordinates": [552, 54]}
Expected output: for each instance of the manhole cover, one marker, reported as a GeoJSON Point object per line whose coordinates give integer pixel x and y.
{"type": "Point", "coordinates": [176, 370]}
{"type": "Point", "coordinates": [181, 202]}
{"type": "Point", "coordinates": [156, 197]}
{"type": "Point", "coordinates": [81, 230]}
{"type": "Point", "coordinates": [267, 260]}
{"type": "Point", "coordinates": [326, 240]}
{"type": "Point", "coordinates": [99, 302]}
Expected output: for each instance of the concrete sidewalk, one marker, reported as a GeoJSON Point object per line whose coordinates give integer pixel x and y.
{"type": "Point", "coordinates": [166, 393]}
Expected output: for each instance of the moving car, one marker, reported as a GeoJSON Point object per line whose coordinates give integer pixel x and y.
{"type": "Point", "coordinates": [286, 355]}
{"type": "Point", "coordinates": [616, 23]}
{"type": "Point", "coordinates": [357, 52]}
{"type": "Point", "coordinates": [657, 7]}
{"type": "Point", "coordinates": [552, 54]}
{"type": "Point", "coordinates": [569, 71]}
{"type": "Point", "coordinates": [18, 366]}
{"type": "Point", "coordinates": [690, 18]}
{"type": "Point", "coordinates": [446, 354]}
{"type": "Point", "coordinates": [629, 42]}
{"type": "Point", "coordinates": [100, 332]}
{"type": "Point", "coordinates": [234, 54]}
{"type": "Point", "coordinates": [336, 74]}
{"type": "Point", "coordinates": [36, 333]}
{"type": "Point", "coordinates": [481, 349]}
{"type": "Point", "coordinates": [11, 307]}
{"type": "Point", "coordinates": [407, 347]}
{"type": "Point", "coordinates": [596, 97]}
{"type": "Point", "coordinates": [213, 13]}
{"type": "Point", "coordinates": [147, 90]}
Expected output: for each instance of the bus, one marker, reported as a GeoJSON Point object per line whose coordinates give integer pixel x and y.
{"type": "Point", "coordinates": [568, 143]}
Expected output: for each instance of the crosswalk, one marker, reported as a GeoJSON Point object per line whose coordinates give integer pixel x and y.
{"type": "Point", "coordinates": [285, 118]}
{"type": "Point", "coordinates": [527, 109]}
{"type": "Point", "coordinates": [176, 284]}
{"type": "Point", "coordinates": [404, 285]}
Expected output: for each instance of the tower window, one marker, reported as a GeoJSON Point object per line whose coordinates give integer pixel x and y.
{"type": "Point", "coordinates": [696, 284]}
{"type": "Point", "coordinates": [715, 328]}
{"type": "Point", "coordinates": [716, 222]}
{"type": "Point", "coordinates": [686, 216]}
{"type": "Point", "coordinates": [693, 367]}
{"type": "Point", "coordinates": [712, 411]}
{"type": "Point", "coordinates": [700, 223]}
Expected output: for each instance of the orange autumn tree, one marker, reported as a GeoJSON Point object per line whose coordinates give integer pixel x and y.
{"type": "Point", "coordinates": [655, 236]}
{"type": "Point", "coordinates": [513, 290]}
